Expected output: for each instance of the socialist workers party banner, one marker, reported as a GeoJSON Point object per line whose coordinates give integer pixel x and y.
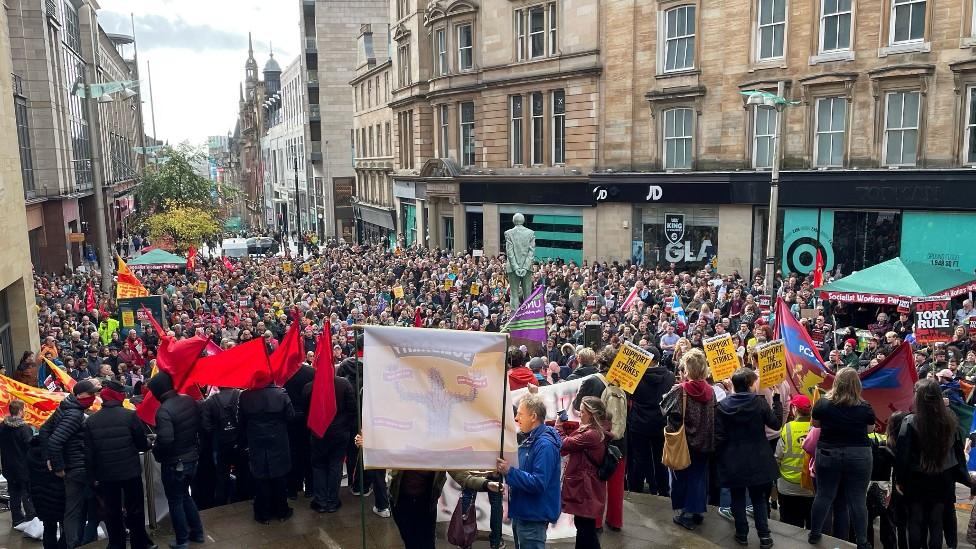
{"type": "Point", "coordinates": [433, 399]}
{"type": "Point", "coordinates": [529, 320]}
{"type": "Point", "coordinates": [933, 320]}
{"type": "Point", "coordinates": [721, 355]}
{"type": "Point", "coordinates": [629, 366]}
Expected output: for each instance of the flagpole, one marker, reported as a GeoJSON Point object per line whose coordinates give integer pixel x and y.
{"type": "Point", "coordinates": [360, 462]}
{"type": "Point", "coordinates": [501, 448]}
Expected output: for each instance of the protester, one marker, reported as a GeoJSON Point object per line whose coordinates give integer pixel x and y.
{"type": "Point", "coordinates": [328, 452]}
{"type": "Point", "coordinates": [264, 417]}
{"type": "Point", "coordinates": [692, 403]}
{"type": "Point", "coordinates": [300, 476]}
{"type": "Point", "coordinates": [114, 436]}
{"type": "Point", "coordinates": [745, 460]}
{"type": "Point", "coordinates": [584, 495]}
{"type": "Point", "coordinates": [795, 500]}
{"type": "Point", "coordinates": [15, 438]}
{"type": "Point", "coordinates": [47, 495]}
{"type": "Point", "coordinates": [645, 431]}
{"type": "Point", "coordinates": [177, 450]}
{"type": "Point", "coordinates": [534, 486]}
{"type": "Point", "coordinates": [843, 454]}
{"type": "Point", "coordinates": [219, 422]}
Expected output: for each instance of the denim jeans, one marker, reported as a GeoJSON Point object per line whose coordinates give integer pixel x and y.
{"type": "Point", "coordinates": [495, 519]}
{"type": "Point", "coordinates": [183, 512]}
{"type": "Point", "coordinates": [725, 498]}
{"type": "Point", "coordinates": [529, 534]}
{"type": "Point", "coordinates": [381, 493]}
{"type": "Point", "coordinates": [850, 467]}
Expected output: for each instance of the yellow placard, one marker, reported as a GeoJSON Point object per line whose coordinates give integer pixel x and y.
{"type": "Point", "coordinates": [202, 286]}
{"type": "Point", "coordinates": [306, 268]}
{"type": "Point", "coordinates": [475, 288]}
{"type": "Point", "coordinates": [128, 318]}
{"type": "Point", "coordinates": [448, 283]}
{"type": "Point", "coordinates": [286, 266]}
{"type": "Point", "coordinates": [628, 366]}
{"type": "Point", "coordinates": [720, 351]}
{"type": "Point", "coordinates": [398, 292]}
{"type": "Point", "coordinates": [772, 363]}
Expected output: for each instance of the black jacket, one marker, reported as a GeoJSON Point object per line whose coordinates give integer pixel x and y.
{"type": "Point", "coordinates": [264, 417]}
{"type": "Point", "coordinates": [212, 416]}
{"type": "Point", "coordinates": [177, 427]}
{"type": "Point", "coordinates": [582, 372]}
{"type": "Point", "coordinates": [743, 454]}
{"type": "Point", "coordinates": [62, 436]}
{"type": "Point", "coordinates": [644, 416]}
{"type": "Point", "coordinates": [47, 490]}
{"type": "Point", "coordinates": [295, 387]}
{"type": "Point", "coordinates": [114, 436]}
{"type": "Point", "coordinates": [344, 423]}
{"type": "Point", "coordinates": [15, 437]}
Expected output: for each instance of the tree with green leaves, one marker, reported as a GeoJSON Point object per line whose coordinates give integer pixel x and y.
{"type": "Point", "coordinates": [184, 226]}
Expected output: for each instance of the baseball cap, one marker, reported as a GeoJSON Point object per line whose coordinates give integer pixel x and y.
{"type": "Point", "coordinates": [801, 402]}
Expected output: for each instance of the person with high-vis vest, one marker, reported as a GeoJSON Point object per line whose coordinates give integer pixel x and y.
{"type": "Point", "coordinates": [794, 500]}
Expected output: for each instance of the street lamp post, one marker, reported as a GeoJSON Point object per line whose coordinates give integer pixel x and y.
{"type": "Point", "coordinates": [759, 99]}
{"type": "Point", "coordinates": [101, 229]}
{"type": "Point", "coordinates": [298, 212]}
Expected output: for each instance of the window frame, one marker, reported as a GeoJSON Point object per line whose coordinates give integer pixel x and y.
{"type": "Point", "coordinates": [886, 130]}
{"type": "Point", "coordinates": [537, 123]}
{"type": "Point", "coordinates": [756, 136]}
{"type": "Point", "coordinates": [552, 26]}
{"type": "Point", "coordinates": [832, 132]}
{"type": "Point", "coordinates": [837, 14]}
{"type": "Point", "coordinates": [689, 138]}
{"type": "Point", "coordinates": [470, 47]}
{"type": "Point", "coordinates": [523, 31]}
{"type": "Point", "coordinates": [558, 125]}
{"type": "Point", "coordinates": [462, 158]}
{"type": "Point", "coordinates": [669, 40]}
{"type": "Point", "coordinates": [516, 130]}
{"type": "Point", "coordinates": [441, 61]}
{"type": "Point", "coordinates": [760, 27]}
{"type": "Point", "coordinates": [893, 20]}
{"type": "Point", "coordinates": [404, 74]}
{"type": "Point", "coordinates": [444, 129]}
{"type": "Point", "coordinates": [969, 126]}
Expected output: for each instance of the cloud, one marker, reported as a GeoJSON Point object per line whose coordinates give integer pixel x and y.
{"type": "Point", "coordinates": [156, 31]}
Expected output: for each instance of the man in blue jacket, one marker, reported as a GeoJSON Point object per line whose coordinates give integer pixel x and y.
{"type": "Point", "coordinates": [534, 498]}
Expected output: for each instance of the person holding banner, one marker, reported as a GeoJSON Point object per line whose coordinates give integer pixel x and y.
{"type": "Point", "coordinates": [534, 486]}
{"type": "Point", "coordinates": [843, 456]}
{"type": "Point", "coordinates": [692, 403]}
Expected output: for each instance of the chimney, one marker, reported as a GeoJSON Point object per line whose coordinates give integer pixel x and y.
{"type": "Point", "coordinates": [366, 57]}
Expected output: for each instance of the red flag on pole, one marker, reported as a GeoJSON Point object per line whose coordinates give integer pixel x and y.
{"type": "Point", "coordinates": [228, 265]}
{"type": "Point", "coordinates": [288, 357]}
{"type": "Point", "coordinates": [191, 258]}
{"type": "Point", "coordinates": [90, 298]}
{"type": "Point", "coordinates": [322, 406]}
{"type": "Point", "coordinates": [417, 321]}
{"type": "Point", "coordinates": [818, 270]}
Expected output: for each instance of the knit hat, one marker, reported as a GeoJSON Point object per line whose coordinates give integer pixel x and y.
{"type": "Point", "coordinates": [160, 384]}
{"type": "Point", "coordinates": [946, 373]}
{"type": "Point", "coordinates": [851, 341]}
{"type": "Point", "coordinates": [85, 386]}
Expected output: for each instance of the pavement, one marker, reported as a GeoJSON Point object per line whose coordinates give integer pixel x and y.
{"type": "Point", "coordinates": [647, 524]}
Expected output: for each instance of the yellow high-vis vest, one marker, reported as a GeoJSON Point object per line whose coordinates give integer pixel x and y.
{"type": "Point", "coordinates": [791, 465]}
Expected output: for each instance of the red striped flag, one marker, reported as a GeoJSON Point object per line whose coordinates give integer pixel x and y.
{"type": "Point", "coordinates": [632, 299]}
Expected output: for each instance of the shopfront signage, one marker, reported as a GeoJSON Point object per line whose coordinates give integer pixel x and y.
{"type": "Point", "coordinates": [674, 227]}
{"type": "Point", "coordinates": [670, 193]}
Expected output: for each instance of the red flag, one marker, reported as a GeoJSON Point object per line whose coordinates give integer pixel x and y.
{"type": "Point", "coordinates": [417, 321]}
{"type": "Point", "coordinates": [245, 366]}
{"type": "Point", "coordinates": [90, 298]}
{"type": "Point", "coordinates": [211, 349]}
{"type": "Point", "coordinates": [227, 264]}
{"type": "Point", "coordinates": [890, 386]}
{"type": "Point", "coordinates": [191, 258]}
{"type": "Point", "coordinates": [818, 270]}
{"type": "Point", "coordinates": [322, 406]}
{"type": "Point", "coordinates": [288, 357]}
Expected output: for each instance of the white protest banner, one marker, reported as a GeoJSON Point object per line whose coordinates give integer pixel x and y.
{"type": "Point", "coordinates": [432, 399]}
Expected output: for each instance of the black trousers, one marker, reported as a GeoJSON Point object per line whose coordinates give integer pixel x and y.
{"type": "Point", "coordinates": [795, 510]}
{"type": "Point", "coordinates": [21, 505]}
{"type": "Point", "coordinates": [51, 540]}
{"type": "Point", "coordinates": [127, 495]}
{"type": "Point", "coordinates": [416, 519]}
{"type": "Point", "coordinates": [270, 498]}
{"type": "Point", "coordinates": [644, 453]}
{"type": "Point", "coordinates": [300, 477]}
{"type": "Point", "coordinates": [223, 486]}
{"type": "Point", "coordinates": [586, 536]}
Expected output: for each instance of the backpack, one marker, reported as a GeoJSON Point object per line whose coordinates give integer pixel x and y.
{"type": "Point", "coordinates": [616, 401]}
{"type": "Point", "coordinates": [611, 459]}
{"type": "Point", "coordinates": [227, 428]}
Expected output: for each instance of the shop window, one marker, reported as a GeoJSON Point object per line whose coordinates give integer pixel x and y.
{"type": "Point", "coordinates": [901, 128]}
{"type": "Point", "coordinates": [556, 236]}
{"type": "Point", "coordinates": [684, 236]}
{"type": "Point", "coordinates": [771, 31]}
{"type": "Point", "coordinates": [828, 148]}
{"type": "Point", "coordinates": [679, 38]}
{"type": "Point", "coordinates": [677, 139]}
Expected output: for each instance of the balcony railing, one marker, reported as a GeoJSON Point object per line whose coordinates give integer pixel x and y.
{"type": "Point", "coordinates": [314, 113]}
{"type": "Point", "coordinates": [311, 45]}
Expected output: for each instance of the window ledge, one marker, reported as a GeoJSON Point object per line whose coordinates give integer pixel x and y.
{"type": "Point", "coordinates": [831, 56]}
{"type": "Point", "coordinates": [677, 74]}
{"type": "Point", "coordinates": [967, 42]}
{"type": "Point", "coordinates": [909, 47]}
{"type": "Point", "coordinates": [763, 64]}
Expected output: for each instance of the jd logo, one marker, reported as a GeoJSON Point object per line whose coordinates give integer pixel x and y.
{"type": "Point", "coordinates": [600, 193]}
{"type": "Point", "coordinates": [654, 193]}
{"type": "Point", "coordinates": [674, 227]}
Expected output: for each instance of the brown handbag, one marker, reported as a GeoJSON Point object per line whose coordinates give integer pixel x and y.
{"type": "Point", "coordinates": [676, 455]}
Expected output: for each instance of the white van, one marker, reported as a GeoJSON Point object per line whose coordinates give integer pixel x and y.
{"type": "Point", "coordinates": [234, 247]}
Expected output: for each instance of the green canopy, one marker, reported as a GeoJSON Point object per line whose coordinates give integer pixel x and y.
{"type": "Point", "coordinates": [157, 260]}
{"type": "Point", "coordinates": [898, 279]}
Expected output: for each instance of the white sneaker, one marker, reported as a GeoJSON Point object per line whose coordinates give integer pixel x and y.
{"type": "Point", "coordinates": [383, 513]}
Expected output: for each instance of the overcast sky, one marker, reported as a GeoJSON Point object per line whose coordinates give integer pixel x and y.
{"type": "Point", "coordinates": [197, 49]}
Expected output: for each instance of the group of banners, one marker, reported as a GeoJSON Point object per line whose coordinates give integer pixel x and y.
{"type": "Point", "coordinates": [723, 360]}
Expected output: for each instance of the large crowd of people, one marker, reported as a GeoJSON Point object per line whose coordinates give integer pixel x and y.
{"type": "Point", "coordinates": [755, 452]}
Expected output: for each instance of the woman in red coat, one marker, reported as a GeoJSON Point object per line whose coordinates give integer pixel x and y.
{"type": "Point", "coordinates": [583, 494]}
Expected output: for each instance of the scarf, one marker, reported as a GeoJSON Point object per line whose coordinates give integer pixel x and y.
{"type": "Point", "coordinates": [111, 395]}
{"type": "Point", "coordinates": [699, 390]}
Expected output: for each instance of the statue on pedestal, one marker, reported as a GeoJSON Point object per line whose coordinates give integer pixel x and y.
{"type": "Point", "coordinates": [520, 252]}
